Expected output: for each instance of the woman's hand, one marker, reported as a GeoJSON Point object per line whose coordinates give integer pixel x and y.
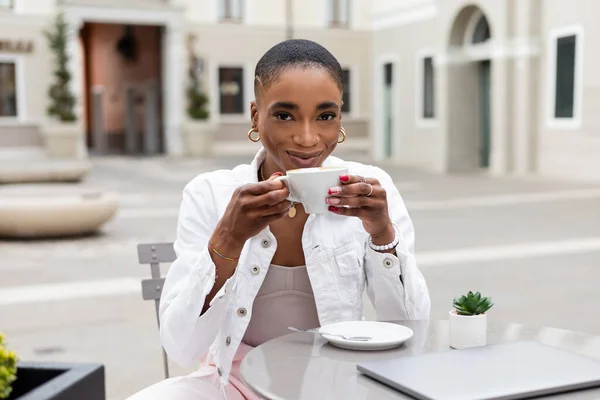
{"type": "Point", "coordinates": [251, 209]}
{"type": "Point", "coordinates": [367, 200]}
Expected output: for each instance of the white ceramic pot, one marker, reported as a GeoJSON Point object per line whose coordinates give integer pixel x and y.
{"type": "Point", "coordinates": [467, 330]}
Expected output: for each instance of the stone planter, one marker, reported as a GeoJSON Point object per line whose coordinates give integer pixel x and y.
{"type": "Point", "coordinates": [59, 381]}
{"type": "Point", "coordinates": [467, 330]}
{"type": "Point", "coordinates": [64, 140]}
{"type": "Point", "coordinates": [198, 136]}
{"type": "Point", "coordinates": [55, 215]}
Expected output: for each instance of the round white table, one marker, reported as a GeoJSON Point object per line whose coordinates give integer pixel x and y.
{"type": "Point", "coordinates": [302, 366]}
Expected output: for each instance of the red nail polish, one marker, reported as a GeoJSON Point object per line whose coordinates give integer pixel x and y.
{"type": "Point", "coordinates": [332, 208]}
{"type": "Point", "coordinates": [344, 178]}
{"type": "Point", "coordinates": [278, 174]}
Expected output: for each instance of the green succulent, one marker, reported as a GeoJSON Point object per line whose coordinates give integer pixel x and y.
{"type": "Point", "coordinates": [8, 369]}
{"type": "Point", "coordinates": [472, 304]}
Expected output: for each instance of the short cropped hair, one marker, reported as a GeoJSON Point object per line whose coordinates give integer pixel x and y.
{"type": "Point", "coordinates": [294, 53]}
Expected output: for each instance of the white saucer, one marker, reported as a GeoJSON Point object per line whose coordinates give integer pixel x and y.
{"type": "Point", "coordinates": [384, 335]}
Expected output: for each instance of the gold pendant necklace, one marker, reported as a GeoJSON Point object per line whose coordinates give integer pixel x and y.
{"type": "Point", "coordinates": [292, 211]}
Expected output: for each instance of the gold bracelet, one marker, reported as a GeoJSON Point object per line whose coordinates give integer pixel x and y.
{"type": "Point", "coordinates": [212, 248]}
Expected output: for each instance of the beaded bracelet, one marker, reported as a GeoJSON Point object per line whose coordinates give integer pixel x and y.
{"type": "Point", "coordinates": [388, 246]}
{"type": "Point", "coordinates": [212, 248]}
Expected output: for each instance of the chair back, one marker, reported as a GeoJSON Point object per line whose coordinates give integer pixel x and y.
{"type": "Point", "coordinates": [154, 254]}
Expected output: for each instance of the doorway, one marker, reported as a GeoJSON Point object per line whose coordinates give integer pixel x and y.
{"type": "Point", "coordinates": [469, 129]}
{"type": "Point", "coordinates": [122, 88]}
{"type": "Point", "coordinates": [484, 113]}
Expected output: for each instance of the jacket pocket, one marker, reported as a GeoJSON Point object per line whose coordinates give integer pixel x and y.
{"type": "Point", "coordinates": [347, 261]}
{"type": "Point", "coordinates": [350, 273]}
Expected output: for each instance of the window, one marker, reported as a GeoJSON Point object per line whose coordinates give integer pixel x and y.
{"type": "Point", "coordinates": [339, 13]}
{"type": "Point", "coordinates": [424, 88]}
{"type": "Point", "coordinates": [346, 98]}
{"type": "Point", "coordinates": [482, 30]}
{"type": "Point", "coordinates": [564, 95]}
{"type": "Point", "coordinates": [8, 89]}
{"type": "Point", "coordinates": [7, 4]}
{"type": "Point", "coordinates": [428, 89]}
{"type": "Point", "coordinates": [230, 10]}
{"type": "Point", "coordinates": [231, 90]}
{"type": "Point", "coordinates": [564, 78]}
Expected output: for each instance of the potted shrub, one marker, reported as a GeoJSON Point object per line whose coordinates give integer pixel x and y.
{"type": "Point", "coordinates": [8, 369]}
{"type": "Point", "coordinates": [198, 130]}
{"type": "Point", "coordinates": [63, 135]}
{"type": "Point", "coordinates": [48, 381]}
{"type": "Point", "coordinates": [468, 320]}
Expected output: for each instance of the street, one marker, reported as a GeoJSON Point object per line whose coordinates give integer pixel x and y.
{"type": "Point", "coordinates": [532, 245]}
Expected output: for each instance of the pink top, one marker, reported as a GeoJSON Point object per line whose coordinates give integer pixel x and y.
{"type": "Point", "coordinates": [284, 299]}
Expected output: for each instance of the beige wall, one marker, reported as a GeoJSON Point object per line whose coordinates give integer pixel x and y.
{"type": "Point", "coordinates": [413, 144]}
{"type": "Point", "coordinates": [572, 152]}
{"type": "Point", "coordinates": [242, 46]}
{"type": "Point", "coordinates": [33, 7]}
{"type": "Point", "coordinates": [272, 13]}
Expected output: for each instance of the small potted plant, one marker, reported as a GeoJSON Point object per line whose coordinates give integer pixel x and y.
{"type": "Point", "coordinates": [468, 320]}
{"type": "Point", "coordinates": [63, 134]}
{"type": "Point", "coordinates": [8, 369]}
{"type": "Point", "coordinates": [198, 130]}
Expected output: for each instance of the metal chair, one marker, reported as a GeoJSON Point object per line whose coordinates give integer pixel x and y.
{"type": "Point", "coordinates": [154, 254]}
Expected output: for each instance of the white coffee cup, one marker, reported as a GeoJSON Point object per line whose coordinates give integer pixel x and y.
{"type": "Point", "coordinates": [310, 186]}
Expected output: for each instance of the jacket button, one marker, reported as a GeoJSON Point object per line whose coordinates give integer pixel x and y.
{"type": "Point", "coordinates": [219, 372]}
{"type": "Point", "coordinates": [228, 341]}
{"type": "Point", "coordinates": [388, 263]}
{"type": "Point", "coordinates": [265, 243]}
{"type": "Point", "coordinates": [255, 270]}
{"type": "Point", "coordinates": [242, 312]}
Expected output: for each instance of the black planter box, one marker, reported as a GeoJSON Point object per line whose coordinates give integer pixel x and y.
{"type": "Point", "coordinates": [59, 381]}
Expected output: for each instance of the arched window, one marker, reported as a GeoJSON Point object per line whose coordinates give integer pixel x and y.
{"type": "Point", "coordinates": [481, 33]}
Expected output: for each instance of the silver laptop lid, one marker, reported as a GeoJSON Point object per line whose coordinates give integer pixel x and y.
{"type": "Point", "coordinates": [498, 372]}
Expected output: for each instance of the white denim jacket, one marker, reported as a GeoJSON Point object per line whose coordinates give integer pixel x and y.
{"type": "Point", "coordinates": [339, 262]}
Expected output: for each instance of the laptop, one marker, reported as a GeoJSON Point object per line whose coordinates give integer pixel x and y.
{"type": "Point", "coordinates": [493, 372]}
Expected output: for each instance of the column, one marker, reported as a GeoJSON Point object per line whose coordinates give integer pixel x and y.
{"type": "Point", "coordinates": [173, 88]}
{"type": "Point", "coordinates": [442, 100]}
{"type": "Point", "coordinates": [500, 117]}
{"type": "Point", "coordinates": [525, 99]}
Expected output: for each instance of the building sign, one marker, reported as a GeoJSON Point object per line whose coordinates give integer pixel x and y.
{"type": "Point", "coordinates": [15, 46]}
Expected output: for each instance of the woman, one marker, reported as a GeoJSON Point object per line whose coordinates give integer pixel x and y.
{"type": "Point", "coordinates": [250, 263]}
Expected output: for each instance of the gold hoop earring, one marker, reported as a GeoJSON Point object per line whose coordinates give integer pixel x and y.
{"type": "Point", "coordinates": [250, 136]}
{"type": "Point", "coordinates": [343, 133]}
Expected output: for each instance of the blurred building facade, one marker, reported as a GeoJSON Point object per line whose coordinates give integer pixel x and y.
{"type": "Point", "coordinates": [505, 86]}
{"type": "Point", "coordinates": [121, 48]}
